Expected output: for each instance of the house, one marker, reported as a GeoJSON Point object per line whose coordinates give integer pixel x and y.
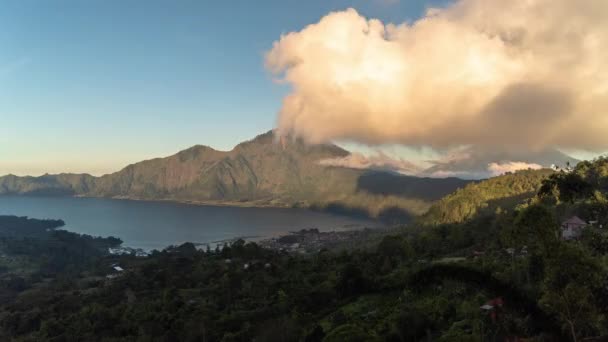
{"type": "Point", "coordinates": [118, 268]}
{"type": "Point", "coordinates": [572, 228]}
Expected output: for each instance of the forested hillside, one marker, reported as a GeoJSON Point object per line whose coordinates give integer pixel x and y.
{"type": "Point", "coordinates": [487, 195]}
{"type": "Point", "coordinates": [498, 275]}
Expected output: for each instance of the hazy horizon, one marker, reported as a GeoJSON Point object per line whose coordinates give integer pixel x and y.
{"type": "Point", "coordinates": [369, 155]}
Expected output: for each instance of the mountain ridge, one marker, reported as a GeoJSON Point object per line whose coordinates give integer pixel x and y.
{"type": "Point", "coordinates": [263, 171]}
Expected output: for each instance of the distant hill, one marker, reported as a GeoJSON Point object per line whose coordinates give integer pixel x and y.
{"type": "Point", "coordinates": [259, 172]}
{"type": "Point", "coordinates": [47, 185]}
{"type": "Point", "coordinates": [472, 162]}
{"type": "Point", "coordinates": [503, 191]}
{"type": "Point", "coordinates": [387, 183]}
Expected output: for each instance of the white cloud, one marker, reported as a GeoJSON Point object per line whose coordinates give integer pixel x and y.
{"type": "Point", "coordinates": [522, 74]}
{"type": "Point", "coordinates": [497, 169]}
{"type": "Point", "coordinates": [378, 161]}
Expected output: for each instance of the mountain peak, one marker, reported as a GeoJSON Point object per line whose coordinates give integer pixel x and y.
{"type": "Point", "coordinates": [260, 139]}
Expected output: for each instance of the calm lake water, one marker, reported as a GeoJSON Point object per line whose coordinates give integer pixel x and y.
{"type": "Point", "coordinates": [156, 225]}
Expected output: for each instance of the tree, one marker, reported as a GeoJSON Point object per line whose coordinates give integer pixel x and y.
{"type": "Point", "coordinates": [317, 334]}
{"type": "Point", "coordinates": [279, 330]}
{"type": "Point", "coordinates": [537, 228]}
{"type": "Point", "coordinates": [571, 278]}
{"type": "Point", "coordinates": [348, 332]}
{"type": "Point", "coordinates": [395, 247]}
{"type": "Point", "coordinates": [351, 281]}
{"type": "Point", "coordinates": [565, 187]}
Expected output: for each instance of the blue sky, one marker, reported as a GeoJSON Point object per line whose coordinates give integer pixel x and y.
{"type": "Point", "coordinates": [90, 86]}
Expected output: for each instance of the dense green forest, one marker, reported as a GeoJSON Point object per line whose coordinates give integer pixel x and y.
{"type": "Point", "coordinates": [486, 264]}
{"type": "Point", "coordinates": [34, 251]}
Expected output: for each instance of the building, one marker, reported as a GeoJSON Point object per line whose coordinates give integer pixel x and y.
{"type": "Point", "coordinates": [572, 228]}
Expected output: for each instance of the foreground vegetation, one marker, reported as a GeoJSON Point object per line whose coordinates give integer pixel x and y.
{"type": "Point", "coordinates": [499, 272]}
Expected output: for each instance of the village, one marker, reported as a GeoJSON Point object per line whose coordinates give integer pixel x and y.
{"type": "Point", "coordinates": [138, 252]}
{"type": "Point", "coordinates": [312, 240]}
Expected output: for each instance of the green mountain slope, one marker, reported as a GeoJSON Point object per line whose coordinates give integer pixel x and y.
{"type": "Point", "coordinates": [502, 191]}
{"type": "Point", "coordinates": [261, 172]}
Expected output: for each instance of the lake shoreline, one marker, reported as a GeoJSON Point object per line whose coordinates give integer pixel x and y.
{"type": "Point", "coordinates": [245, 204]}
{"type": "Point", "coordinates": [239, 204]}
{"type": "Point", "coordinates": [156, 224]}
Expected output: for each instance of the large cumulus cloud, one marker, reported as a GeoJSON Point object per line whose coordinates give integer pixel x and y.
{"type": "Point", "coordinates": [524, 74]}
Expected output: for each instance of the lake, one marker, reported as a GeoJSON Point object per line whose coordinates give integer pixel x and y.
{"type": "Point", "coordinates": [156, 225]}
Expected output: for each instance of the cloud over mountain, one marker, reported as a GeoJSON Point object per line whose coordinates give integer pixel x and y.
{"type": "Point", "coordinates": [476, 162]}
{"type": "Point", "coordinates": [519, 75]}
{"type": "Point", "coordinates": [497, 169]}
{"type": "Point", "coordinates": [378, 161]}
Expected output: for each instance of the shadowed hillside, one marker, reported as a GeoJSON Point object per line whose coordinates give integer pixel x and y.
{"type": "Point", "coordinates": [384, 183]}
